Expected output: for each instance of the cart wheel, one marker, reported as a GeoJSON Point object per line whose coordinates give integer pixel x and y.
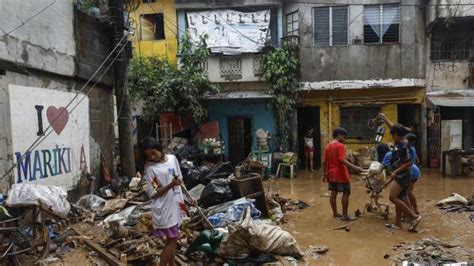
{"type": "Point", "coordinates": [34, 240]}
{"type": "Point", "coordinates": [357, 213]}
{"type": "Point", "coordinates": [385, 214]}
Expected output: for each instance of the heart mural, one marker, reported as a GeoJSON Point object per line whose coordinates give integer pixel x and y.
{"type": "Point", "coordinates": [58, 118]}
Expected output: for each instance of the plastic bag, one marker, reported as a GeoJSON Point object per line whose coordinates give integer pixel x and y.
{"type": "Point", "coordinates": [221, 170]}
{"type": "Point", "coordinates": [216, 192]}
{"type": "Point", "coordinates": [52, 198]}
{"type": "Point", "coordinates": [235, 213]}
{"type": "Point", "coordinates": [91, 202]}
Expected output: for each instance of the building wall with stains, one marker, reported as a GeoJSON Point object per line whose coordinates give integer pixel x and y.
{"type": "Point", "coordinates": [356, 60]}
{"type": "Point", "coordinates": [167, 47]}
{"type": "Point", "coordinates": [56, 50]}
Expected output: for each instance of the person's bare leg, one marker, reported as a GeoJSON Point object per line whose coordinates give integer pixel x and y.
{"type": "Point", "coordinates": [398, 217]}
{"type": "Point", "coordinates": [332, 200]}
{"type": "Point", "coordinates": [412, 198]}
{"type": "Point", "coordinates": [345, 203]}
{"type": "Point", "coordinates": [311, 156]}
{"type": "Point", "coordinates": [306, 159]}
{"type": "Point", "coordinates": [167, 255]}
{"type": "Point", "coordinates": [394, 193]}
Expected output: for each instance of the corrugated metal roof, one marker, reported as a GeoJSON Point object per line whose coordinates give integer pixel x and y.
{"type": "Point", "coordinates": [466, 101]}
{"type": "Point", "coordinates": [239, 95]}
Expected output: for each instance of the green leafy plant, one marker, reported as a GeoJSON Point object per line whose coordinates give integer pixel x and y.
{"type": "Point", "coordinates": [281, 69]}
{"type": "Point", "coordinates": [164, 87]}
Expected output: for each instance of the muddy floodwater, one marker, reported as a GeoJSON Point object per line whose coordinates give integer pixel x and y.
{"type": "Point", "coordinates": [368, 239]}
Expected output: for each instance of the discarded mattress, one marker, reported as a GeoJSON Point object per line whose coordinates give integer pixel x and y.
{"type": "Point", "coordinates": [52, 198]}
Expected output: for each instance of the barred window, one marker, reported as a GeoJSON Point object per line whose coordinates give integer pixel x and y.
{"type": "Point", "coordinates": [292, 24]}
{"type": "Point", "coordinates": [354, 120]}
{"type": "Point", "coordinates": [330, 26]}
{"type": "Point", "coordinates": [454, 41]}
{"type": "Point", "coordinates": [381, 24]}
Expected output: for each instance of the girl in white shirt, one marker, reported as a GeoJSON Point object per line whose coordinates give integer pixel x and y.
{"type": "Point", "coordinates": [163, 177]}
{"type": "Point", "coordinates": [309, 149]}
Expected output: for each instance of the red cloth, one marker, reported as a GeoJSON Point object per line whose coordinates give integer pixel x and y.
{"type": "Point", "coordinates": [308, 149]}
{"type": "Point", "coordinates": [336, 171]}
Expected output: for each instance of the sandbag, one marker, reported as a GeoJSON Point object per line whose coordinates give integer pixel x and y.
{"type": "Point", "coordinates": [216, 192]}
{"type": "Point", "coordinates": [248, 236]}
{"type": "Point", "coordinates": [52, 198]}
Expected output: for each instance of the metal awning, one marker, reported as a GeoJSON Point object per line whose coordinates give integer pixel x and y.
{"type": "Point", "coordinates": [238, 95]}
{"type": "Point", "coordinates": [452, 101]}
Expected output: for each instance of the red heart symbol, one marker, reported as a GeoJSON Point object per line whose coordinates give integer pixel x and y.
{"type": "Point", "coordinates": [57, 118]}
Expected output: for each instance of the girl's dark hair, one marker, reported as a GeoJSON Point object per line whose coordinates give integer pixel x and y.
{"type": "Point", "coordinates": [399, 130]}
{"type": "Point", "coordinates": [339, 132]}
{"type": "Point", "coordinates": [382, 149]}
{"type": "Point", "coordinates": [150, 143]}
{"type": "Point", "coordinates": [411, 137]}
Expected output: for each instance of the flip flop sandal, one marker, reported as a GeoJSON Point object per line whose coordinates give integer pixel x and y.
{"type": "Point", "coordinates": [348, 218]}
{"type": "Point", "coordinates": [338, 215]}
{"type": "Point", "coordinates": [392, 226]}
{"type": "Point", "coordinates": [414, 224]}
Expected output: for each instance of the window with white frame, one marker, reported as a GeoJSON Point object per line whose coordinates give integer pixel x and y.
{"type": "Point", "coordinates": [382, 24]}
{"type": "Point", "coordinates": [292, 24]}
{"type": "Point", "coordinates": [330, 26]}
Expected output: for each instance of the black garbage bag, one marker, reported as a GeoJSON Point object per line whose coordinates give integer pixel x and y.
{"type": "Point", "coordinates": [188, 152]}
{"type": "Point", "coordinates": [192, 173]}
{"type": "Point", "coordinates": [216, 192]}
{"type": "Point", "coordinates": [221, 170]}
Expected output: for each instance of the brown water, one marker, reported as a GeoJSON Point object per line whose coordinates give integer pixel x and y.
{"type": "Point", "coordinates": [368, 240]}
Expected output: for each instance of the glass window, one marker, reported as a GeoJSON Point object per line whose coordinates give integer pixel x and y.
{"type": "Point", "coordinates": [292, 24]}
{"type": "Point", "coordinates": [381, 24]}
{"type": "Point", "coordinates": [330, 26]}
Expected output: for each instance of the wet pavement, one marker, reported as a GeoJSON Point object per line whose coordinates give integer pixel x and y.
{"type": "Point", "coordinates": [368, 240]}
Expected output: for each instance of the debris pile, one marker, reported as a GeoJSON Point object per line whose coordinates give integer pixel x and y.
{"type": "Point", "coordinates": [430, 251]}
{"type": "Point", "coordinates": [467, 163]}
{"type": "Point", "coordinates": [234, 222]}
{"type": "Point", "coordinates": [456, 203]}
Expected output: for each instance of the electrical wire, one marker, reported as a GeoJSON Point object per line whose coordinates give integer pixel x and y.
{"type": "Point", "coordinates": [41, 138]}
{"type": "Point", "coordinates": [23, 23]}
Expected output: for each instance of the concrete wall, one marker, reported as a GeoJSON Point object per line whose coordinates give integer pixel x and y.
{"type": "Point", "coordinates": [448, 8]}
{"type": "Point", "coordinates": [359, 61]}
{"type": "Point", "coordinates": [259, 110]}
{"type": "Point", "coordinates": [204, 4]}
{"type": "Point", "coordinates": [43, 54]}
{"type": "Point", "coordinates": [165, 48]}
{"type": "Point", "coordinates": [100, 117]}
{"type": "Point", "coordinates": [45, 42]}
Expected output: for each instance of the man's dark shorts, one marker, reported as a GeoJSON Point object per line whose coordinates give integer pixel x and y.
{"type": "Point", "coordinates": [340, 187]}
{"type": "Point", "coordinates": [403, 180]}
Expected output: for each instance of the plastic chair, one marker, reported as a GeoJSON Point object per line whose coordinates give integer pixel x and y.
{"type": "Point", "coordinates": [289, 161]}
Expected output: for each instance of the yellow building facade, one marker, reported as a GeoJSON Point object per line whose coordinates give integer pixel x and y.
{"type": "Point", "coordinates": [156, 28]}
{"type": "Point", "coordinates": [390, 101]}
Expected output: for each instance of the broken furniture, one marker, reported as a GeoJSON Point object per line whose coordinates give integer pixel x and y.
{"type": "Point", "coordinates": [251, 186]}
{"type": "Point", "coordinates": [289, 161]}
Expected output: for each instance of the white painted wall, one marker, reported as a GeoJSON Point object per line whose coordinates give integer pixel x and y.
{"type": "Point", "coordinates": [45, 42]}
{"type": "Point", "coordinates": [69, 140]}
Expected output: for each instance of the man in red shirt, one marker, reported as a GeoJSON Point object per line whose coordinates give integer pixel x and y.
{"type": "Point", "coordinates": [336, 172]}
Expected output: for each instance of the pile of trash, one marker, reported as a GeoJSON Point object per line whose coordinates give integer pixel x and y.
{"type": "Point", "coordinates": [457, 203]}
{"type": "Point", "coordinates": [430, 251]}
{"type": "Point", "coordinates": [112, 227]}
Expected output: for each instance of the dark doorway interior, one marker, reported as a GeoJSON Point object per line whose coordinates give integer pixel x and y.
{"type": "Point", "coordinates": [308, 117]}
{"type": "Point", "coordinates": [240, 139]}
{"type": "Point", "coordinates": [409, 115]}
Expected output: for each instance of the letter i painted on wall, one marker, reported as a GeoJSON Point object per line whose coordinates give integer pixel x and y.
{"type": "Point", "coordinates": [39, 112]}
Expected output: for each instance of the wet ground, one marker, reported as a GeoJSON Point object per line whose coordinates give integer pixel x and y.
{"type": "Point", "coordinates": [368, 240]}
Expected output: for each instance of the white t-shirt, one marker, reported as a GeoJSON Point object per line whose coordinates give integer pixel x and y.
{"type": "Point", "coordinates": [308, 142]}
{"type": "Point", "coordinates": [165, 210]}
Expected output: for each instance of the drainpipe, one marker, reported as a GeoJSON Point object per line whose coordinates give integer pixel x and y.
{"type": "Point", "coordinates": [330, 117]}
